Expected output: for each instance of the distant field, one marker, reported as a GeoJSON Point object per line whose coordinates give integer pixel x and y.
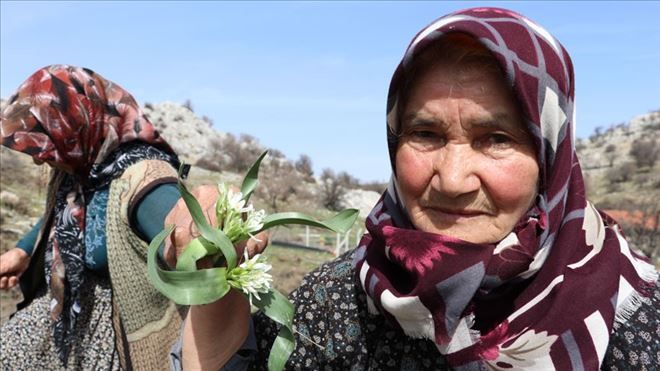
{"type": "Point", "coordinates": [290, 264]}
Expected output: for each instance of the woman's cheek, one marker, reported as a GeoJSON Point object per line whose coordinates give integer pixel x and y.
{"type": "Point", "coordinates": [513, 184]}
{"type": "Point", "coordinates": [414, 171]}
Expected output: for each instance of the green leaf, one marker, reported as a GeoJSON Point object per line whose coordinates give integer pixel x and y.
{"type": "Point", "coordinates": [185, 288]}
{"type": "Point", "coordinates": [252, 178]}
{"type": "Point", "coordinates": [278, 308]}
{"type": "Point", "coordinates": [281, 349]}
{"type": "Point", "coordinates": [196, 249]}
{"type": "Point", "coordinates": [340, 223]}
{"type": "Point", "coordinates": [215, 236]}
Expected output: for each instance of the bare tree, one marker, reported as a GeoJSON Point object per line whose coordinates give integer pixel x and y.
{"type": "Point", "coordinates": [347, 180]}
{"type": "Point", "coordinates": [621, 173]}
{"type": "Point", "coordinates": [208, 120]}
{"type": "Point", "coordinates": [280, 183]}
{"type": "Point", "coordinates": [188, 104]}
{"type": "Point", "coordinates": [332, 189]}
{"type": "Point", "coordinates": [598, 131]}
{"type": "Point", "coordinates": [276, 153]}
{"type": "Point", "coordinates": [228, 153]}
{"type": "Point", "coordinates": [215, 158]}
{"type": "Point", "coordinates": [610, 153]}
{"type": "Point", "coordinates": [304, 167]}
{"type": "Point", "coordinates": [645, 152]}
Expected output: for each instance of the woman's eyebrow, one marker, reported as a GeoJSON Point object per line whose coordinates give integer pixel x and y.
{"type": "Point", "coordinates": [416, 120]}
{"type": "Point", "coordinates": [502, 121]}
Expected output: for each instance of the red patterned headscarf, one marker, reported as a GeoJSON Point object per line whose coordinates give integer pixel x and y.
{"type": "Point", "coordinates": [90, 130]}
{"type": "Point", "coordinates": [547, 295]}
{"type": "Point", "coordinates": [73, 118]}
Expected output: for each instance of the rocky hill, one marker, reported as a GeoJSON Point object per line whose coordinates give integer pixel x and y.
{"type": "Point", "coordinates": [607, 148]}
{"type": "Point", "coordinates": [621, 166]}
{"type": "Point", "coordinates": [621, 163]}
{"type": "Point", "coordinates": [187, 133]}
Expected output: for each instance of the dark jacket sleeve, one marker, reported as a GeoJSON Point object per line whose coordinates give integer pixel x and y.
{"type": "Point", "coordinates": [151, 210]}
{"type": "Point", "coordinates": [26, 243]}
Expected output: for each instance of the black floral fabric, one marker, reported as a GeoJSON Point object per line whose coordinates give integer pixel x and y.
{"type": "Point", "coordinates": [635, 345]}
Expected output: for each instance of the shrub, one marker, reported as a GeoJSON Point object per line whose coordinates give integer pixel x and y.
{"type": "Point", "coordinates": [304, 167]}
{"type": "Point", "coordinates": [645, 152]}
{"type": "Point", "coordinates": [622, 173]}
{"type": "Point", "coordinates": [610, 153]}
{"type": "Point", "coordinates": [188, 104]}
{"type": "Point", "coordinates": [332, 190]}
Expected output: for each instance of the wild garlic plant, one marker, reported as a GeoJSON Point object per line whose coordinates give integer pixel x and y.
{"type": "Point", "coordinates": [237, 221]}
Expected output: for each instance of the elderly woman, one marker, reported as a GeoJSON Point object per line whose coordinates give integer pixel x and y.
{"type": "Point", "coordinates": [483, 253]}
{"type": "Point", "coordinates": [87, 302]}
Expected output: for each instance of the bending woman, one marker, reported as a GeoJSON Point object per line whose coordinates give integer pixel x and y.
{"type": "Point", "coordinates": [483, 253]}
{"type": "Point", "coordinates": [87, 301]}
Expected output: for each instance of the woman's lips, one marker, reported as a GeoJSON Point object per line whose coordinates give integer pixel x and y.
{"type": "Point", "coordinates": [456, 214]}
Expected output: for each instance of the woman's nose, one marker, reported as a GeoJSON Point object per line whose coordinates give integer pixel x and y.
{"type": "Point", "coordinates": [455, 171]}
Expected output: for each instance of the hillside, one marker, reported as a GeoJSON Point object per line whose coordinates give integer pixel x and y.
{"type": "Point", "coordinates": [621, 166]}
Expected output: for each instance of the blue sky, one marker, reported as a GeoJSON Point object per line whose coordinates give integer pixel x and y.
{"type": "Point", "coordinates": [312, 77]}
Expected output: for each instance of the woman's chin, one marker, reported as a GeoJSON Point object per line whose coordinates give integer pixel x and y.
{"type": "Point", "coordinates": [476, 233]}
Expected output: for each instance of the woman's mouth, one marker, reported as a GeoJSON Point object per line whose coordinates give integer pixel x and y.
{"type": "Point", "coordinates": [448, 214]}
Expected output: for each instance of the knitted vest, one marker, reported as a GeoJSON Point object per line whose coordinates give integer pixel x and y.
{"type": "Point", "coordinates": [146, 323]}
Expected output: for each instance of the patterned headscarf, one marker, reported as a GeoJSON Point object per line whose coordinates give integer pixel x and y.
{"type": "Point", "coordinates": [89, 130]}
{"type": "Point", "coordinates": [547, 295]}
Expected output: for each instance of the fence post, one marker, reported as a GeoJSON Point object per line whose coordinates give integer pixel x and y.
{"type": "Point", "coordinates": [341, 242]}
{"type": "Point", "coordinates": [358, 236]}
{"type": "Point", "coordinates": [306, 235]}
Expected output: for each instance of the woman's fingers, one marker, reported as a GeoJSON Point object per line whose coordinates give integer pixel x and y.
{"type": "Point", "coordinates": [184, 227]}
{"type": "Point", "coordinates": [4, 283]}
{"type": "Point", "coordinates": [257, 244]}
{"type": "Point", "coordinates": [12, 264]}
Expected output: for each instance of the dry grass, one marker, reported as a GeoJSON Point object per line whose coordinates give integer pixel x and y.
{"type": "Point", "coordinates": [291, 264]}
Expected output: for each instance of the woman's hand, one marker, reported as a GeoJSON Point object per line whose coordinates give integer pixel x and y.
{"type": "Point", "coordinates": [185, 229]}
{"type": "Point", "coordinates": [12, 264]}
{"type": "Point", "coordinates": [212, 332]}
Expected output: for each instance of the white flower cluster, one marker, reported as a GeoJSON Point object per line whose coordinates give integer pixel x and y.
{"type": "Point", "coordinates": [237, 220]}
{"type": "Point", "coordinates": [251, 276]}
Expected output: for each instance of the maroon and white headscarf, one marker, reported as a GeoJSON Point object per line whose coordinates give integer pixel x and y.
{"type": "Point", "coordinates": [90, 130]}
{"type": "Point", "coordinates": [547, 295]}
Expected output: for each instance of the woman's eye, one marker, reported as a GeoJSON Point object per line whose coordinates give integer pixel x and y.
{"type": "Point", "coordinates": [498, 138]}
{"type": "Point", "coordinates": [423, 134]}
{"type": "Point", "coordinates": [495, 141]}
{"type": "Point", "coordinates": [424, 140]}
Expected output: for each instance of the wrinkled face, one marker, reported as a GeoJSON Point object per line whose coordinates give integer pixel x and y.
{"type": "Point", "coordinates": [465, 163]}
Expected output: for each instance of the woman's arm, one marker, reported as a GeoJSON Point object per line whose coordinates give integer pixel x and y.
{"type": "Point", "coordinates": [15, 261]}
{"type": "Point", "coordinates": [214, 332]}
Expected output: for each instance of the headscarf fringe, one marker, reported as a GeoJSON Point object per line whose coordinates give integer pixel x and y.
{"type": "Point", "coordinates": [632, 303]}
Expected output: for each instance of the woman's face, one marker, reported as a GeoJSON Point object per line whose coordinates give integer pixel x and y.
{"type": "Point", "coordinates": [465, 163]}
